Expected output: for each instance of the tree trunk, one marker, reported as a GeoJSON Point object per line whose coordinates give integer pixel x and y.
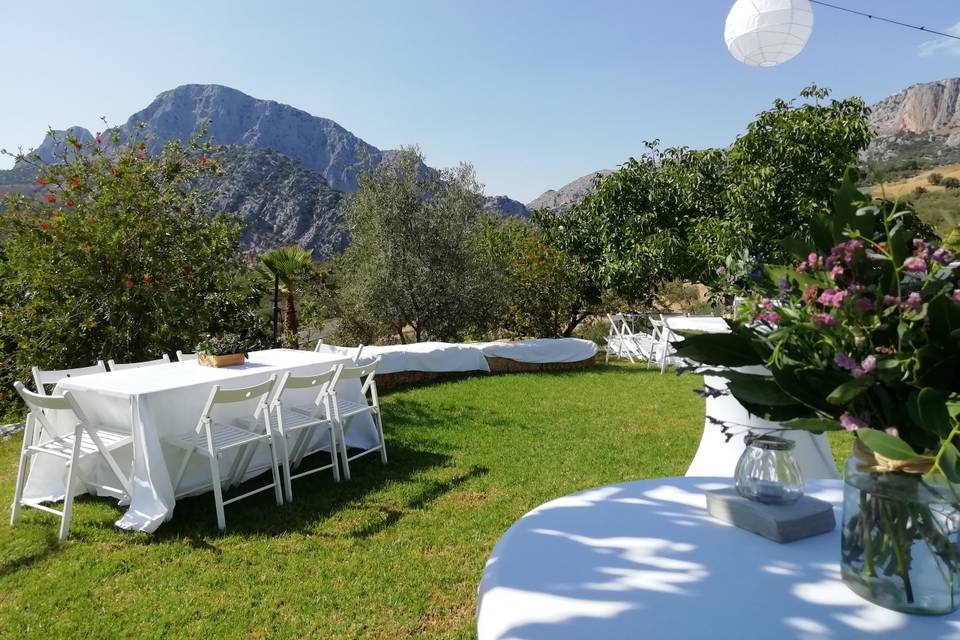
{"type": "Point", "coordinates": [575, 319]}
{"type": "Point", "coordinates": [290, 316]}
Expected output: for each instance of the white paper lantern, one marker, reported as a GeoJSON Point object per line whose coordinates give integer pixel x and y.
{"type": "Point", "coordinates": [764, 33]}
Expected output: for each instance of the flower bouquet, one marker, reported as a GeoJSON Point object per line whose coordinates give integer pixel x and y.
{"type": "Point", "coordinates": [226, 350]}
{"type": "Point", "coordinates": [864, 337]}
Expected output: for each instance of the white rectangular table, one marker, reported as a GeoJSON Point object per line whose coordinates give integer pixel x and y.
{"type": "Point", "coordinates": [162, 400]}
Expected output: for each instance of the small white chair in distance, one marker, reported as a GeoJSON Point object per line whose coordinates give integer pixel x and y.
{"type": "Point", "coordinates": [44, 377]}
{"type": "Point", "coordinates": [343, 410]}
{"type": "Point", "coordinates": [183, 357]}
{"type": "Point", "coordinates": [211, 439]}
{"type": "Point", "coordinates": [120, 366]}
{"type": "Point", "coordinates": [85, 440]}
{"type": "Point", "coordinates": [304, 422]}
{"type": "Point", "coordinates": [322, 347]}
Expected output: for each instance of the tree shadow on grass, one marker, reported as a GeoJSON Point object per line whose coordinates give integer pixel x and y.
{"type": "Point", "coordinates": [49, 547]}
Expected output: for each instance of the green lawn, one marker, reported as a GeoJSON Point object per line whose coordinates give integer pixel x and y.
{"type": "Point", "coordinates": [396, 553]}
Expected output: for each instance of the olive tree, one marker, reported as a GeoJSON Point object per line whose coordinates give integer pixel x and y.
{"type": "Point", "coordinates": [415, 258]}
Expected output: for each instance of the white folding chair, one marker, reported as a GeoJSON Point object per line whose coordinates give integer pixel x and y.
{"type": "Point", "coordinates": [183, 357]}
{"type": "Point", "coordinates": [303, 421]}
{"type": "Point", "coordinates": [212, 438]}
{"type": "Point", "coordinates": [344, 410]}
{"type": "Point", "coordinates": [84, 441]}
{"type": "Point", "coordinates": [44, 377]}
{"type": "Point", "coordinates": [120, 366]}
{"type": "Point", "coordinates": [616, 342]}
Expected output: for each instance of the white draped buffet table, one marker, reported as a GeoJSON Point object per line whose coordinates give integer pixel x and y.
{"type": "Point", "coordinates": [163, 400]}
{"type": "Point", "coordinates": [645, 560]}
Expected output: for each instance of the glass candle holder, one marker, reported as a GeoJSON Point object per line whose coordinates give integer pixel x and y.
{"type": "Point", "coordinates": [768, 472]}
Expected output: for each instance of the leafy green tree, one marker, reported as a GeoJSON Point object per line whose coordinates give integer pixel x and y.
{"type": "Point", "coordinates": [676, 214]}
{"type": "Point", "coordinates": [935, 178]}
{"type": "Point", "coordinates": [118, 256]}
{"type": "Point", "coordinates": [539, 296]}
{"type": "Point", "coordinates": [288, 267]}
{"type": "Point", "coordinates": [636, 230]}
{"type": "Point", "coordinates": [951, 183]}
{"type": "Point", "coordinates": [415, 258]}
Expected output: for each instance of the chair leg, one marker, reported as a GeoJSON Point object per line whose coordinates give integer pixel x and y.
{"type": "Point", "coordinates": [383, 441]}
{"type": "Point", "coordinates": [68, 493]}
{"type": "Point", "coordinates": [342, 443]}
{"type": "Point", "coordinates": [18, 490]}
{"type": "Point", "coordinates": [334, 458]}
{"type": "Point", "coordinates": [217, 492]}
{"type": "Point", "coordinates": [287, 481]}
{"type": "Point", "coordinates": [277, 492]}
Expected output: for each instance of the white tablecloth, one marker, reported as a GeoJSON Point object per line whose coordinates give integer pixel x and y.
{"type": "Point", "coordinates": [163, 400]}
{"type": "Point", "coordinates": [644, 560]}
{"type": "Point", "coordinates": [707, 324]}
{"type": "Point", "coordinates": [540, 350]}
{"type": "Point", "coordinates": [427, 356]}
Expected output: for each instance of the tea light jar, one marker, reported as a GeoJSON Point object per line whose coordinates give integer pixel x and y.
{"type": "Point", "coordinates": [768, 472]}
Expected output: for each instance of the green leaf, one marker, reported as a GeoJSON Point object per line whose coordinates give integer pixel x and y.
{"type": "Point", "coordinates": [932, 409]}
{"type": "Point", "coordinates": [886, 445]}
{"type": "Point", "coordinates": [949, 462]}
{"type": "Point", "coordinates": [849, 390]}
{"type": "Point", "coordinates": [718, 349]}
{"type": "Point", "coordinates": [816, 425]}
{"type": "Point", "coordinates": [762, 390]}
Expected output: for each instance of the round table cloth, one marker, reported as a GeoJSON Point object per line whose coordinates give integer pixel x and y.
{"type": "Point", "coordinates": [645, 560]}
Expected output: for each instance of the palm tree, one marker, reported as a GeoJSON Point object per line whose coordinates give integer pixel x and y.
{"type": "Point", "coordinates": [285, 266]}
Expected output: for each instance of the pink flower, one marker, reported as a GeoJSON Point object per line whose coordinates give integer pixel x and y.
{"type": "Point", "coordinates": [889, 301]}
{"type": "Point", "coordinates": [885, 349]}
{"type": "Point", "coordinates": [913, 301]}
{"type": "Point", "coordinates": [836, 272]}
{"type": "Point", "coordinates": [956, 296]}
{"type": "Point", "coordinates": [850, 423]}
{"type": "Point", "coordinates": [821, 320]}
{"type": "Point", "coordinates": [844, 361]}
{"type": "Point", "coordinates": [810, 293]}
{"type": "Point", "coordinates": [865, 304]}
{"type": "Point", "coordinates": [769, 316]}
{"type": "Point", "coordinates": [720, 270]}
{"type": "Point", "coordinates": [868, 364]}
{"type": "Point", "coordinates": [832, 298]}
{"type": "Point", "coordinates": [98, 139]}
{"type": "Point", "coordinates": [914, 264]}
{"type": "Point", "coordinates": [943, 255]}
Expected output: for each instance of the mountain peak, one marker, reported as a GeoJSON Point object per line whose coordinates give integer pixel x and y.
{"type": "Point", "coordinates": [929, 107]}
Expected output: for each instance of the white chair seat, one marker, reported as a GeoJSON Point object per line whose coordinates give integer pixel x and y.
{"type": "Point", "coordinates": [225, 436]}
{"type": "Point", "coordinates": [348, 408]}
{"type": "Point", "coordinates": [63, 446]}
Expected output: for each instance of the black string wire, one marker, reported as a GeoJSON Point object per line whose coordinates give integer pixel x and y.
{"type": "Point", "coordinates": [873, 17]}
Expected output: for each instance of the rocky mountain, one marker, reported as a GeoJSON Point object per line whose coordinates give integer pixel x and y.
{"type": "Point", "coordinates": [919, 125]}
{"type": "Point", "coordinates": [287, 170]}
{"type": "Point", "coordinates": [568, 194]}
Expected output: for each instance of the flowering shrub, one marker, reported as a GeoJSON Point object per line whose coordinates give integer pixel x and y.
{"type": "Point", "coordinates": [118, 255]}
{"type": "Point", "coordinates": [863, 335]}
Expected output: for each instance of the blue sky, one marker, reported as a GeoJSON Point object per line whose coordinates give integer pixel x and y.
{"type": "Point", "coordinates": [533, 92]}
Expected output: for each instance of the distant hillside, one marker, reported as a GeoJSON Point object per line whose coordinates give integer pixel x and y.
{"type": "Point", "coordinates": [568, 194]}
{"type": "Point", "coordinates": [286, 172]}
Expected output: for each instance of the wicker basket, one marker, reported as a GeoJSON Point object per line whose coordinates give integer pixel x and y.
{"type": "Point", "coordinates": [228, 360]}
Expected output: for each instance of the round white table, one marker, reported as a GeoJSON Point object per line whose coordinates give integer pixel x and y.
{"type": "Point", "coordinates": [645, 560]}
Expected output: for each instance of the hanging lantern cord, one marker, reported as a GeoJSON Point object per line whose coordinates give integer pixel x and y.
{"type": "Point", "coordinates": [873, 17]}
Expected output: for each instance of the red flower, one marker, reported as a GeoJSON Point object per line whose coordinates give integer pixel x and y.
{"type": "Point", "coordinates": [77, 145]}
{"type": "Point", "coordinates": [148, 279]}
{"type": "Point", "coordinates": [75, 180]}
{"type": "Point", "coordinates": [98, 139]}
{"type": "Point", "coordinates": [69, 203]}
{"type": "Point", "coordinates": [44, 226]}
{"type": "Point", "coordinates": [51, 198]}
{"type": "Point", "coordinates": [41, 181]}
{"type": "Point", "coordinates": [128, 283]}
{"type": "Point", "coordinates": [142, 147]}
{"type": "Point", "coordinates": [203, 159]}
{"type": "Point", "coordinates": [139, 156]}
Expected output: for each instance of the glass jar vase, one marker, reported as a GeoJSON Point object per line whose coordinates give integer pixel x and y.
{"type": "Point", "coordinates": [900, 540]}
{"type": "Point", "coordinates": [767, 471]}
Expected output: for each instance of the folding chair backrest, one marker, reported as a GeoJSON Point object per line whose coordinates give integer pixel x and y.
{"type": "Point", "coordinates": [183, 357]}
{"type": "Point", "coordinates": [323, 383]}
{"type": "Point", "coordinates": [367, 371]}
{"type": "Point", "coordinates": [616, 324]}
{"type": "Point", "coordinates": [38, 403]}
{"type": "Point", "coordinates": [120, 366]}
{"type": "Point", "coordinates": [42, 377]}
